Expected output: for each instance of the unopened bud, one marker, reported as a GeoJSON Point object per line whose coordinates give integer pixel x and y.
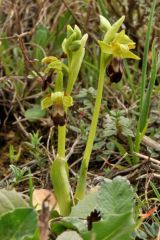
{"type": "Point", "coordinates": [104, 24]}
{"type": "Point", "coordinates": [74, 46]}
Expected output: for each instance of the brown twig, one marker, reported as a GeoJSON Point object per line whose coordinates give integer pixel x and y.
{"type": "Point", "coordinates": [29, 62]}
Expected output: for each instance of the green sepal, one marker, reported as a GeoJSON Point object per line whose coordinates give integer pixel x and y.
{"type": "Point", "coordinates": [67, 101]}
{"type": "Point", "coordinates": [55, 65]}
{"type": "Point", "coordinates": [70, 31]}
{"type": "Point", "coordinates": [48, 59]}
{"type": "Point", "coordinates": [109, 36]}
{"type": "Point", "coordinates": [46, 102]}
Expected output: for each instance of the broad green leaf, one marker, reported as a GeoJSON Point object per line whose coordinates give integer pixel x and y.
{"type": "Point", "coordinates": [115, 197]}
{"type": "Point", "coordinates": [75, 223]}
{"type": "Point", "coordinates": [114, 201]}
{"type": "Point", "coordinates": [35, 113]}
{"type": "Point", "coordinates": [58, 228]}
{"type": "Point", "coordinates": [9, 200]}
{"type": "Point", "coordinates": [36, 236]}
{"type": "Point", "coordinates": [114, 227]}
{"type": "Point", "coordinates": [69, 235]}
{"type": "Point", "coordinates": [85, 206]}
{"type": "Point", "coordinates": [18, 224]}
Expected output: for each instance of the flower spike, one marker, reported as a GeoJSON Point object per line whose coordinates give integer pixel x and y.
{"type": "Point", "coordinates": [117, 44]}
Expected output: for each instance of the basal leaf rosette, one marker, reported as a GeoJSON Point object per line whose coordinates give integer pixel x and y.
{"type": "Point", "coordinates": [116, 44]}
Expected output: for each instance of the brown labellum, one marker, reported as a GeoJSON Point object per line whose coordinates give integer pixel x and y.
{"type": "Point", "coordinates": [115, 70]}
{"type": "Point", "coordinates": [58, 115]}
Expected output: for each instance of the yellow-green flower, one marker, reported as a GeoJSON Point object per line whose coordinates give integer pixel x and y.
{"type": "Point", "coordinates": [53, 64]}
{"type": "Point", "coordinates": [117, 44]}
{"type": "Point", "coordinates": [57, 98]}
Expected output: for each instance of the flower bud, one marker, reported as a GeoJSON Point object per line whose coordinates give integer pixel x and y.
{"type": "Point", "coordinates": [73, 40]}
{"type": "Point", "coordinates": [74, 46]}
{"type": "Point", "coordinates": [104, 24]}
{"type": "Point", "coordinates": [70, 30]}
{"type": "Point", "coordinates": [78, 32]}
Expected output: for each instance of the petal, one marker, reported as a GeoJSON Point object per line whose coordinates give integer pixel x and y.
{"type": "Point", "coordinates": [119, 49]}
{"type": "Point", "coordinates": [122, 38]}
{"type": "Point", "coordinates": [122, 51]}
{"type": "Point", "coordinates": [127, 40]}
{"type": "Point", "coordinates": [119, 36]}
{"type": "Point", "coordinates": [132, 46]}
{"type": "Point", "coordinates": [57, 97]}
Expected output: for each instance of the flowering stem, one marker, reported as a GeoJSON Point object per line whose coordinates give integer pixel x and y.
{"type": "Point", "coordinates": [81, 185]}
{"type": "Point", "coordinates": [59, 169]}
{"type": "Point", "coordinates": [59, 175]}
{"type": "Point", "coordinates": [61, 140]}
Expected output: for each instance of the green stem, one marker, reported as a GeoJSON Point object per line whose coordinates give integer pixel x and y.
{"type": "Point", "coordinates": [59, 178]}
{"type": "Point", "coordinates": [61, 140]}
{"type": "Point", "coordinates": [59, 175]}
{"type": "Point", "coordinates": [81, 185]}
{"type": "Point", "coordinates": [59, 168]}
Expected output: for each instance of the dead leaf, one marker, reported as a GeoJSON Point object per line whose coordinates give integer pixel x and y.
{"type": "Point", "coordinates": [43, 221]}
{"type": "Point", "coordinates": [148, 213]}
{"type": "Point", "coordinates": [41, 195]}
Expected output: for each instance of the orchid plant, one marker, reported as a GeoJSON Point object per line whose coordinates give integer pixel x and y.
{"type": "Point", "coordinates": [114, 45]}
